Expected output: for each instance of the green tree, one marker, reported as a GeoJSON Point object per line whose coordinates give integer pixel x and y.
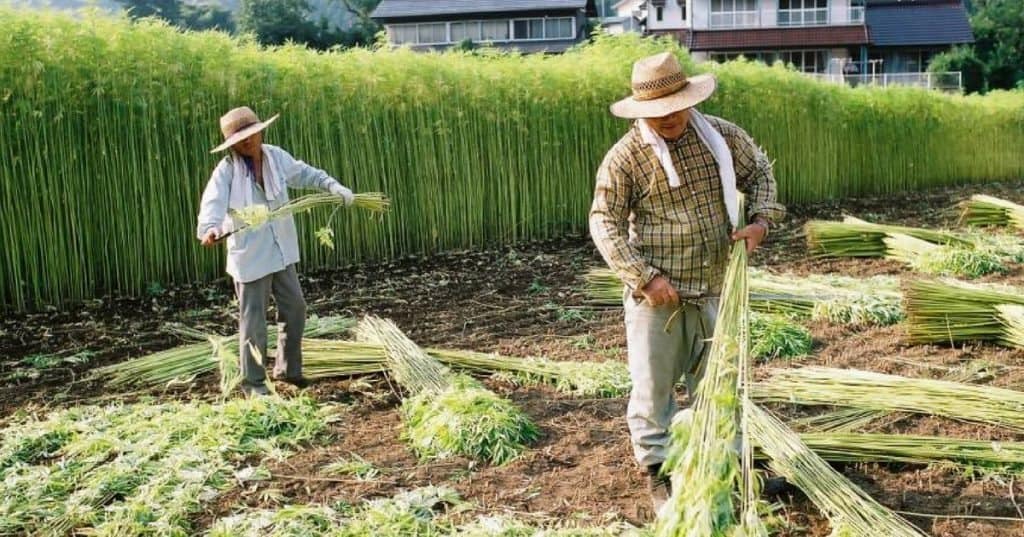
{"type": "Point", "coordinates": [999, 33]}
{"type": "Point", "coordinates": [998, 50]}
{"type": "Point", "coordinates": [964, 60]}
{"type": "Point", "coordinates": [276, 21]}
{"type": "Point", "coordinates": [169, 10]}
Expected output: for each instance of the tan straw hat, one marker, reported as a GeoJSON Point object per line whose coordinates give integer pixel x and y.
{"type": "Point", "coordinates": [660, 87]}
{"type": "Point", "coordinates": [239, 124]}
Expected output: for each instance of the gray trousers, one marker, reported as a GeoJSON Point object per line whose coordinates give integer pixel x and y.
{"type": "Point", "coordinates": [657, 360]}
{"type": "Point", "coordinates": [253, 300]}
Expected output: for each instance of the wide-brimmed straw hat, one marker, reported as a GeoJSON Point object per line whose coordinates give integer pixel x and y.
{"type": "Point", "coordinates": [660, 87]}
{"type": "Point", "coordinates": [239, 124]}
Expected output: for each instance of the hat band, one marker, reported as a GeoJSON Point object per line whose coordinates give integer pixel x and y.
{"type": "Point", "coordinates": [659, 87]}
{"type": "Point", "coordinates": [237, 130]}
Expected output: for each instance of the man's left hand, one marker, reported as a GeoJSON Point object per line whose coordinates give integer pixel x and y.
{"type": "Point", "coordinates": [754, 234]}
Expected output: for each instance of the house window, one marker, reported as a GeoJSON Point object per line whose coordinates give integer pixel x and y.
{"type": "Point", "coordinates": [434, 32]}
{"type": "Point", "coordinates": [734, 13]}
{"type": "Point", "coordinates": [856, 11]}
{"type": "Point", "coordinates": [660, 13]}
{"type": "Point", "coordinates": [807, 61]}
{"type": "Point", "coordinates": [494, 30]}
{"type": "Point", "coordinates": [537, 29]}
{"type": "Point", "coordinates": [402, 34]}
{"type": "Point", "coordinates": [803, 12]}
{"type": "Point", "coordinates": [461, 31]}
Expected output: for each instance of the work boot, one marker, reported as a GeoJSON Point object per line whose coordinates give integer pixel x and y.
{"type": "Point", "coordinates": [660, 487]}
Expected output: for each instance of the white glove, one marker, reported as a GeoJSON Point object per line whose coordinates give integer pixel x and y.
{"type": "Point", "coordinates": [342, 191]}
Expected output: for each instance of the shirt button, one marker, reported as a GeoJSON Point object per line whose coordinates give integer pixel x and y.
{"type": "Point", "coordinates": [706, 264]}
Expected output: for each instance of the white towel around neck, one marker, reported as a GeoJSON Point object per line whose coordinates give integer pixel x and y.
{"type": "Point", "coordinates": [241, 184]}
{"type": "Point", "coordinates": [714, 141]}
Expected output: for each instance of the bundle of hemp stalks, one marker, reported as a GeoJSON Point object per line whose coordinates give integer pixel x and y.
{"type": "Point", "coordinates": [446, 414]}
{"type": "Point", "coordinates": [986, 456]}
{"type": "Point", "coordinates": [873, 301]}
{"type": "Point", "coordinates": [877, 391]}
{"type": "Point", "coordinates": [947, 311]}
{"type": "Point", "coordinates": [706, 464]}
{"type": "Point", "coordinates": [849, 509]}
{"type": "Point", "coordinates": [330, 358]}
{"type": "Point", "coordinates": [939, 253]}
{"type": "Point", "coordinates": [854, 237]}
{"type": "Point", "coordinates": [982, 210]}
{"type": "Point", "coordinates": [255, 216]}
{"type": "Point", "coordinates": [184, 363]}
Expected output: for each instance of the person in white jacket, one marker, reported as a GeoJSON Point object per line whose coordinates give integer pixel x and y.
{"type": "Point", "coordinates": [261, 260]}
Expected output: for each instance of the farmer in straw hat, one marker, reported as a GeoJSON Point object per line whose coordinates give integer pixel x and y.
{"type": "Point", "coordinates": [664, 215]}
{"type": "Point", "coordinates": [261, 260]}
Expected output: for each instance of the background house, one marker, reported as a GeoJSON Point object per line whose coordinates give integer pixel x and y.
{"type": "Point", "coordinates": [853, 41]}
{"type": "Point", "coordinates": [526, 25]}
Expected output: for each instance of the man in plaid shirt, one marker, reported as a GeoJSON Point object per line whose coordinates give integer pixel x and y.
{"type": "Point", "coordinates": [664, 219]}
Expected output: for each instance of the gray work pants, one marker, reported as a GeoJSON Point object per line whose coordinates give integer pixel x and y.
{"type": "Point", "coordinates": [253, 300]}
{"type": "Point", "coordinates": [657, 360]}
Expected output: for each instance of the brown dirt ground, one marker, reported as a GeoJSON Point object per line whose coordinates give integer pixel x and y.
{"type": "Point", "coordinates": [524, 300]}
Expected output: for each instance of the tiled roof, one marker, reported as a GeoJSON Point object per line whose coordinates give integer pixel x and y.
{"type": "Point", "coordinates": [910, 23]}
{"type": "Point", "coordinates": [423, 8]}
{"type": "Point", "coordinates": [773, 38]}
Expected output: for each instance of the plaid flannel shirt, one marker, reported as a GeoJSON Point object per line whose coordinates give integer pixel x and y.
{"type": "Point", "coordinates": [643, 227]}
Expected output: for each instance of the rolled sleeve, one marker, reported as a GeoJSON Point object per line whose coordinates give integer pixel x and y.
{"type": "Point", "coordinates": [754, 176]}
{"type": "Point", "coordinates": [214, 203]}
{"type": "Point", "coordinates": [609, 224]}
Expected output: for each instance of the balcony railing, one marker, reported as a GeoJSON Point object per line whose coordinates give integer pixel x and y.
{"type": "Point", "coordinates": [803, 17]}
{"type": "Point", "coordinates": [950, 81]}
{"type": "Point", "coordinates": [736, 19]}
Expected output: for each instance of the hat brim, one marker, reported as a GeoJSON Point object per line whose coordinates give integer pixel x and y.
{"type": "Point", "coordinates": [697, 90]}
{"type": "Point", "coordinates": [244, 133]}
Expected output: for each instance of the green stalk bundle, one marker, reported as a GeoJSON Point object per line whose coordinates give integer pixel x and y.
{"type": "Point", "coordinates": [867, 390]}
{"type": "Point", "coordinates": [942, 260]}
{"type": "Point", "coordinates": [704, 458]}
{"type": "Point", "coordinates": [854, 237]}
{"type": "Point", "coordinates": [947, 311]}
{"type": "Point", "coordinates": [447, 414]}
{"type": "Point", "coordinates": [874, 301]}
{"type": "Point", "coordinates": [138, 469]}
{"type": "Point", "coordinates": [982, 455]}
{"type": "Point", "coordinates": [1012, 318]}
{"type": "Point", "coordinates": [186, 362]}
{"type": "Point", "coordinates": [837, 299]}
{"type": "Point", "coordinates": [257, 215]}
{"type": "Point", "coordinates": [323, 358]}
{"type": "Point", "coordinates": [108, 125]}
{"type": "Point", "coordinates": [848, 420]}
{"type": "Point", "coordinates": [850, 510]}
{"type": "Point", "coordinates": [982, 210]}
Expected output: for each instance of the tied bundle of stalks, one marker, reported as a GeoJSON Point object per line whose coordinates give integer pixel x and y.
{"type": "Point", "coordinates": [850, 510]}
{"type": "Point", "coordinates": [446, 414]}
{"type": "Point", "coordinates": [949, 311]}
{"type": "Point", "coordinates": [324, 358]}
{"type": "Point", "coordinates": [837, 299]}
{"type": "Point", "coordinates": [854, 237]}
{"type": "Point", "coordinates": [983, 456]}
{"type": "Point", "coordinates": [706, 463]}
{"type": "Point", "coordinates": [876, 391]}
{"type": "Point", "coordinates": [982, 210]}
{"type": "Point", "coordinates": [942, 260]}
{"type": "Point", "coordinates": [184, 363]}
{"type": "Point", "coordinates": [255, 216]}
{"type": "Point", "coordinates": [874, 301]}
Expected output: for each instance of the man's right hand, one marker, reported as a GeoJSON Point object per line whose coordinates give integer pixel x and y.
{"type": "Point", "coordinates": [209, 239]}
{"type": "Point", "coordinates": [660, 292]}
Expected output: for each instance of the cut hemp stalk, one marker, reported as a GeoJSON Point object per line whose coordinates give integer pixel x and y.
{"type": "Point", "coordinates": [946, 311]}
{"type": "Point", "coordinates": [447, 414]}
{"type": "Point", "coordinates": [982, 210]}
